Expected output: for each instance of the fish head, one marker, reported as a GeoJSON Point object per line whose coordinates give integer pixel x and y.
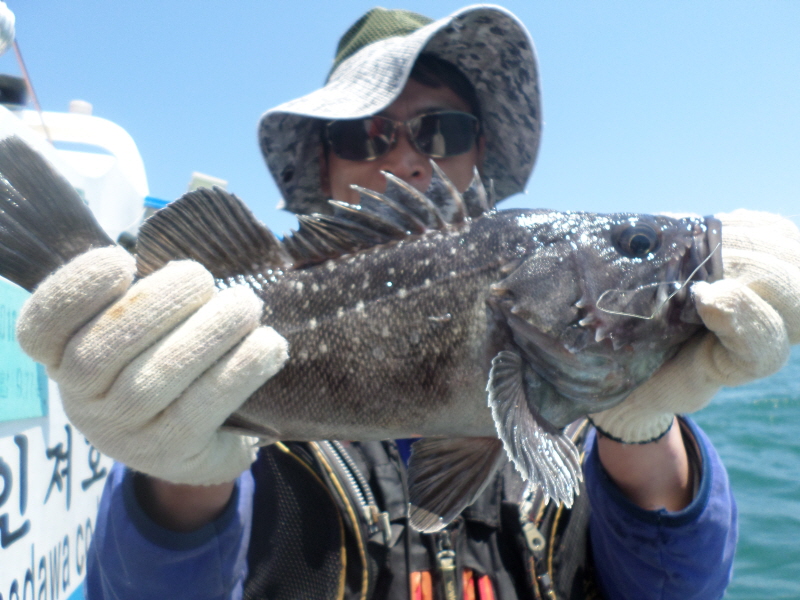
{"type": "Point", "coordinates": [599, 302]}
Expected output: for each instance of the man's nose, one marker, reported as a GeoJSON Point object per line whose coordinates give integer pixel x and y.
{"type": "Point", "coordinates": [407, 163]}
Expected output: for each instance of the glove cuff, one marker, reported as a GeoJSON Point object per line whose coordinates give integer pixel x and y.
{"type": "Point", "coordinates": [639, 434]}
{"type": "Point", "coordinates": [220, 462]}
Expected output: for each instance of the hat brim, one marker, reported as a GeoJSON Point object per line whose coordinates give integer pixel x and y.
{"type": "Point", "coordinates": [487, 43]}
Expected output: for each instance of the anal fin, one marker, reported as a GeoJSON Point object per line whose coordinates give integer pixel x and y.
{"type": "Point", "coordinates": [239, 425]}
{"type": "Point", "coordinates": [541, 453]}
{"type": "Point", "coordinates": [446, 475]}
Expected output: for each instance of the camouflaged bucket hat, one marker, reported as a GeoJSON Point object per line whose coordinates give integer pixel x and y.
{"type": "Point", "coordinates": [488, 44]}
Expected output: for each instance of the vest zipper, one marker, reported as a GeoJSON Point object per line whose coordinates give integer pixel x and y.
{"type": "Point", "coordinates": [376, 520]}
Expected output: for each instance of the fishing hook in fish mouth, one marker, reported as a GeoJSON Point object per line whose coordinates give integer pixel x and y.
{"type": "Point", "coordinates": [678, 287]}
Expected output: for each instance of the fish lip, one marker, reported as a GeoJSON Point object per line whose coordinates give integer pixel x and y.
{"type": "Point", "coordinates": [703, 259]}
{"type": "Point", "coordinates": [714, 244]}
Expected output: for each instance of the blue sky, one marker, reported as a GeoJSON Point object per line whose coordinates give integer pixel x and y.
{"type": "Point", "coordinates": [648, 106]}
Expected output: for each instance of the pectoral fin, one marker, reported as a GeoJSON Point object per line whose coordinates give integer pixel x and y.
{"type": "Point", "coordinates": [446, 475]}
{"type": "Point", "coordinates": [541, 453]}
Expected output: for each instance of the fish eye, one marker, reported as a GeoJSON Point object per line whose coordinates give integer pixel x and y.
{"type": "Point", "coordinates": [639, 240]}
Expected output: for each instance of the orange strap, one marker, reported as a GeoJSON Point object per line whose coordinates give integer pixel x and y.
{"type": "Point", "coordinates": [476, 587]}
{"type": "Point", "coordinates": [421, 585]}
{"type": "Point", "coordinates": [479, 588]}
{"type": "Point", "coordinates": [485, 589]}
{"type": "Point", "coordinates": [468, 584]}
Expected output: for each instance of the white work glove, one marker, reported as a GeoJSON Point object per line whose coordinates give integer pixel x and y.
{"type": "Point", "coordinates": [753, 317]}
{"type": "Point", "coordinates": [149, 372]}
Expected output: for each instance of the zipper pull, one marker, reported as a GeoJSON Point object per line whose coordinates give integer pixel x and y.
{"type": "Point", "coordinates": [380, 521]}
{"type": "Point", "coordinates": [536, 543]}
{"type": "Point", "coordinates": [446, 564]}
{"type": "Point", "coordinates": [533, 537]}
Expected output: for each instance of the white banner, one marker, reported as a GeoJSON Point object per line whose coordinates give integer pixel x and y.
{"type": "Point", "coordinates": [51, 480]}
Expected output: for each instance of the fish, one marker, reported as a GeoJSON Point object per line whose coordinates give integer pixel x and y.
{"type": "Point", "coordinates": [483, 332]}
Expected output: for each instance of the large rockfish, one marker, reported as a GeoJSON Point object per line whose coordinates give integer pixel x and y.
{"type": "Point", "coordinates": [483, 331]}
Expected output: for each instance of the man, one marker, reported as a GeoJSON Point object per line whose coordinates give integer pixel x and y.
{"type": "Point", "coordinates": [155, 369]}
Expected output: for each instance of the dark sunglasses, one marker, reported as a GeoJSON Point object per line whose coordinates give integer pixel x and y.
{"type": "Point", "coordinates": [436, 135]}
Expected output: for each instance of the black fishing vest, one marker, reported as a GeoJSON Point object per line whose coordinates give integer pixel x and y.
{"type": "Point", "coordinates": [329, 521]}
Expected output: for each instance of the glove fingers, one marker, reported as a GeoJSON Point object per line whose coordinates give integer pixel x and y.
{"type": "Point", "coordinates": [212, 454]}
{"type": "Point", "coordinates": [752, 336]}
{"type": "Point", "coordinates": [231, 380]}
{"type": "Point", "coordinates": [774, 280]}
{"type": "Point", "coordinates": [70, 298]}
{"type": "Point", "coordinates": [765, 233]}
{"type": "Point", "coordinates": [151, 308]}
{"type": "Point", "coordinates": [743, 223]}
{"type": "Point", "coordinates": [194, 419]}
{"type": "Point", "coordinates": [185, 434]}
{"type": "Point", "coordinates": [161, 374]}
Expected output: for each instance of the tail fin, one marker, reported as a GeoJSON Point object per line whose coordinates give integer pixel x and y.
{"type": "Point", "coordinates": [43, 222]}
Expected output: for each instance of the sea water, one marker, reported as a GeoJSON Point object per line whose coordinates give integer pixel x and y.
{"type": "Point", "coordinates": [756, 430]}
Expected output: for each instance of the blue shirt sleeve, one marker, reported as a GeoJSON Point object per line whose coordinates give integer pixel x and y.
{"type": "Point", "coordinates": [663, 555]}
{"type": "Point", "coordinates": [131, 557]}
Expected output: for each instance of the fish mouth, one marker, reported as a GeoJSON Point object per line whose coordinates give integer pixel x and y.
{"type": "Point", "coordinates": [701, 262]}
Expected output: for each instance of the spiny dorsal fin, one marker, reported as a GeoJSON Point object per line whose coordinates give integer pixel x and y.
{"type": "Point", "coordinates": [374, 227]}
{"type": "Point", "coordinates": [393, 212]}
{"type": "Point", "coordinates": [214, 228]}
{"type": "Point", "coordinates": [382, 218]}
{"type": "Point", "coordinates": [417, 202]}
{"type": "Point", "coordinates": [446, 197]}
{"type": "Point", "coordinates": [475, 197]}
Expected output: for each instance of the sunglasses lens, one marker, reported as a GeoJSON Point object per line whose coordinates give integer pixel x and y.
{"type": "Point", "coordinates": [444, 134]}
{"type": "Point", "coordinates": [361, 139]}
{"type": "Point", "coordinates": [437, 135]}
